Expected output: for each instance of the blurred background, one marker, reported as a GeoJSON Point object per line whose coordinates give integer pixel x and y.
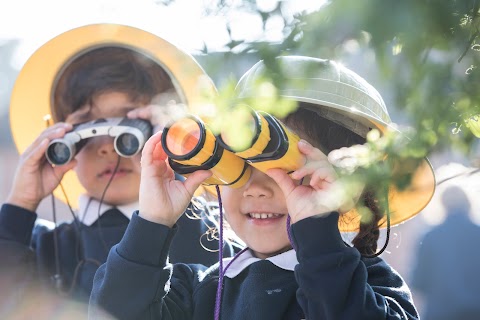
{"type": "Point", "coordinates": [422, 56]}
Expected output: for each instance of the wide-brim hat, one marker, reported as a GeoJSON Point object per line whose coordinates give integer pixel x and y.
{"type": "Point", "coordinates": [344, 97]}
{"type": "Point", "coordinates": [32, 95]}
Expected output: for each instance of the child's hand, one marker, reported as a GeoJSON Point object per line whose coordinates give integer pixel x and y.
{"type": "Point", "coordinates": [162, 198]}
{"type": "Point", "coordinates": [349, 159]}
{"type": "Point", "coordinates": [159, 115]}
{"type": "Point", "coordinates": [35, 178]}
{"type": "Point", "coordinates": [320, 193]}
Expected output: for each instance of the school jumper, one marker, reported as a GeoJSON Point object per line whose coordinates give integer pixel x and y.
{"type": "Point", "coordinates": [28, 255]}
{"type": "Point", "coordinates": [331, 282]}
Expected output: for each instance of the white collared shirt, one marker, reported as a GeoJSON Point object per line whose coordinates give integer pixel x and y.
{"type": "Point", "coordinates": [286, 260]}
{"type": "Point", "coordinates": [88, 211]}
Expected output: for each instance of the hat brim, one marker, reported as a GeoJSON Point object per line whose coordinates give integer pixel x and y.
{"type": "Point", "coordinates": [32, 94]}
{"type": "Point", "coordinates": [403, 204]}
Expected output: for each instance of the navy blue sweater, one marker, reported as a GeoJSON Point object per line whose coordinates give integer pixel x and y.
{"type": "Point", "coordinates": [331, 281]}
{"type": "Point", "coordinates": [29, 259]}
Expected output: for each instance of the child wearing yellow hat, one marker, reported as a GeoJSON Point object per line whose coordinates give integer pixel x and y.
{"type": "Point", "coordinates": [296, 264]}
{"type": "Point", "coordinates": [93, 73]}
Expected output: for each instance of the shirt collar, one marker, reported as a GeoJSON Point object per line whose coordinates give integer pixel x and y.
{"type": "Point", "coordinates": [88, 209]}
{"type": "Point", "coordinates": [286, 260]}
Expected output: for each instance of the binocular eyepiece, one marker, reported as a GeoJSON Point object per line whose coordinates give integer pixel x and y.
{"type": "Point", "coordinates": [191, 146]}
{"type": "Point", "coordinates": [130, 136]}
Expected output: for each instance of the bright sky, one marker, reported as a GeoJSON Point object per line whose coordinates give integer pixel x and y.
{"type": "Point", "coordinates": [182, 23]}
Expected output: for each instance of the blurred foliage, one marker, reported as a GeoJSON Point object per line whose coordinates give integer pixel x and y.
{"type": "Point", "coordinates": [428, 50]}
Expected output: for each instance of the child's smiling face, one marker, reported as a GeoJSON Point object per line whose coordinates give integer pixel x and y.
{"type": "Point", "coordinates": [257, 213]}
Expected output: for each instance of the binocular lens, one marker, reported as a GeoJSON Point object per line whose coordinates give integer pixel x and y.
{"type": "Point", "coordinates": [183, 136]}
{"type": "Point", "coordinates": [127, 144]}
{"type": "Point", "coordinates": [58, 153]}
{"type": "Point", "coordinates": [249, 137]}
{"type": "Point", "coordinates": [242, 134]}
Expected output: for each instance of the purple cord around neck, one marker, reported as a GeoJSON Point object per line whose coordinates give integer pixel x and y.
{"type": "Point", "coordinates": [289, 230]}
{"type": "Point", "coordinates": [221, 272]}
{"type": "Point", "coordinates": [289, 233]}
{"type": "Point", "coordinates": [218, 298]}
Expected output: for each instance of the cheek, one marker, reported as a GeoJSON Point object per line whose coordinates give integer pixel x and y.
{"type": "Point", "coordinates": [138, 156]}
{"type": "Point", "coordinates": [233, 220]}
{"type": "Point", "coordinates": [81, 163]}
{"type": "Point", "coordinates": [231, 201]}
{"type": "Point", "coordinates": [136, 160]}
{"type": "Point", "coordinates": [86, 154]}
{"type": "Point", "coordinates": [86, 165]}
{"type": "Point", "coordinates": [84, 174]}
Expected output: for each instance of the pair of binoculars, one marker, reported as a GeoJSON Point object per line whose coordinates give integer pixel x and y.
{"type": "Point", "coordinates": [130, 136]}
{"type": "Point", "coordinates": [191, 145]}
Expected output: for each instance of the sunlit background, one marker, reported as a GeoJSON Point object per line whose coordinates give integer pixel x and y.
{"type": "Point", "coordinates": [205, 30]}
{"type": "Point", "coordinates": [189, 24]}
{"type": "Point", "coordinates": [196, 26]}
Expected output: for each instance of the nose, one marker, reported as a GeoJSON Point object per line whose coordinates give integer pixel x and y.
{"type": "Point", "coordinates": [259, 185]}
{"type": "Point", "coordinates": [105, 147]}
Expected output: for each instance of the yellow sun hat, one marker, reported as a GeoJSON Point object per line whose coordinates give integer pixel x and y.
{"type": "Point", "coordinates": [342, 96]}
{"type": "Point", "coordinates": [32, 96]}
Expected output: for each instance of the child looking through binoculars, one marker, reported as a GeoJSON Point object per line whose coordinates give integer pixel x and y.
{"type": "Point", "coordinates": [296, 264]}
{"type": "Point", "coordinates": [103, 105]}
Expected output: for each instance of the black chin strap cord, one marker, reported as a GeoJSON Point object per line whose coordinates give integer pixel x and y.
{"type": "Point", "coordinates": [57, 278]}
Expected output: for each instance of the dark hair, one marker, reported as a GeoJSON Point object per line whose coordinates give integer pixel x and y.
{"type": "Point", "coordinates": [107, 69]}
{"type": "Point", "coordinates": [327, 136]}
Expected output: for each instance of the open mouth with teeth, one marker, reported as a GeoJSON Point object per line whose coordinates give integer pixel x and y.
{"type": "Point", "coordinates": [265, 215]}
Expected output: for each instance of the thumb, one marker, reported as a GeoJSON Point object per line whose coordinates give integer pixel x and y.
{"type": "Point", "coordinates": [195, 179]}
{"type": "Point", "coordinates": [284, 181]}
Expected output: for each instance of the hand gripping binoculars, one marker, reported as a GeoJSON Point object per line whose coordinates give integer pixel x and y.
{"type": "Point", "coordinates": [191, 145]}
{"type": "Point", "coordinates": [130, 136]}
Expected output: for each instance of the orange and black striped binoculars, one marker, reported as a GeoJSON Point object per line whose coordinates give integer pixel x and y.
{"type": "Point", "coordinates": [191, 145]}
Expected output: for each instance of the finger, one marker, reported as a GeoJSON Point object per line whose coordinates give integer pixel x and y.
{"type": "Point", "coordinates": [322, 178]}
{"type": "Point", "coordinates": [142, 113]}
{"type": "Point", "coordinates": [159, 158]}
{"type": "Point", "coordinates": [159, 152]}
{"type": "Point", "coordinates": [284, 181]}
{"type": "Point", "coordinates": [60, 171]}
{"type": "Point", "coordinates": [38, 153]}
{"type": "Point", "coordinates": [153, 160]}
{"type": "Point", "coordinates": [56, 131]}
{"type": "Point", "coordinates": [148, 152]}
{"type": "Point", "coordinates": [145, 113]}
{"type": "Point", "coordinates": [195, 179]}
{"type": "Point", "coordinates": [309, 169]}
{"type": "Point", "coordinates": [132, 114]}
{"type": "Point", "coordinates": [310, 151]}
{"type": "Point", "coordinates": [354, 152]}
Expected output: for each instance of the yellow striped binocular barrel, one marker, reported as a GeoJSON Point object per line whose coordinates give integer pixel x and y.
{"type": "Point", "coordinates": [191, 145]}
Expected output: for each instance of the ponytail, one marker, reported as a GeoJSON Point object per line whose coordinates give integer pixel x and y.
{"type": "Point", "coordinates": [366, 239]}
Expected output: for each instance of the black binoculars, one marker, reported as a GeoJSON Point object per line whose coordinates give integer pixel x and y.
{"type": "Point", "coordinates": [191, 145]}
{"type": "Point", "coordinates": [130, 136]}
